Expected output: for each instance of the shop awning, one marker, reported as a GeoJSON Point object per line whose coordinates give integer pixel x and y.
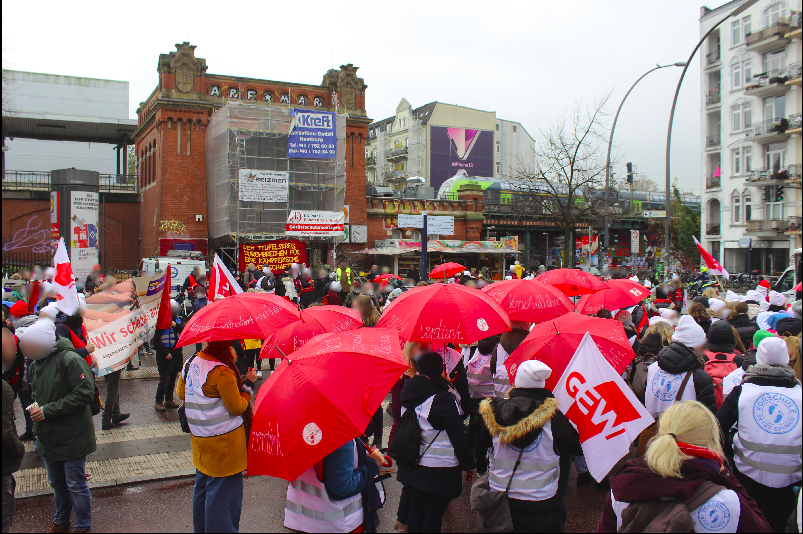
{"type": "Point", "coordinates": [392, 247]}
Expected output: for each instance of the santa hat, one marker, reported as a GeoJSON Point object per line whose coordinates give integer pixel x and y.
{"type": "Point", "coordinates": [772, 351]}
{"type": "Point", "coordinates": [532, 374]}
{"type": "Point", "coordinates": [764, 284]}
{"type": "Point", "coordinates": [777, 299]}
{"type": "Point", "coordinates": [689, 332]}
{"type": "Point", "coordinates": [19, 309]}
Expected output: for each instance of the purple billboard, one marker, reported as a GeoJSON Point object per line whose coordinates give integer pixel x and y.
{"type": "Point", "coordinates": [456, 149]}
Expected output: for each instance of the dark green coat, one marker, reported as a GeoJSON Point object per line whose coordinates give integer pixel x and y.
{"type": "Point", "coordinates": [67, 432]}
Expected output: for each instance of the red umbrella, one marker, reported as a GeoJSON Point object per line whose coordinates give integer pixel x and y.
{"type": "Point", "coordinates": [555, 342]}
{"type": "Point", "coordinates": [799, 287]}
{"type": "Point", "coordinates": [526, 300]}
{"type": "Point", "coordinates": [321, 398]}
{"type": "Point", "coordinates": [242, 316]}
{"type": "Point", "coordinates": [314, 321]}
{"type": "Point", "coordinates": [445, 312]}
{"type": "Point", "coordinates": [572, 282]}
{"type": "Point", "coordinates": [620, 294]}
{"type": "Point", "coordinates": [445, 270]}
{"type": "Point", "coordinates": [384, 278]}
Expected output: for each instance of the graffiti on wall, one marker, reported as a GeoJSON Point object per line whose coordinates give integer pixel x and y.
{"type": "Point", "coordinates": [34, 236]}
{"type": "Point", "coordinates": [173, 226]}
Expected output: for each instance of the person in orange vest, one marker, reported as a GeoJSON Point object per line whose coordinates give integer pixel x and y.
{"type": "Point", "coordinates": [305, 288]}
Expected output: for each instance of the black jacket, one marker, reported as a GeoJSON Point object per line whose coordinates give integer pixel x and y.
{"type": "Point", "coordinates": [443, 415]}
{"type": "Point", "coordinates": [678, 359]}
{"type": "Point", "coordinates": [320, 288]}
{"type": "Point", "coordinates": [460, 383]}
{"type": "Point", "coordinates": [73, 323]}
{"type": "Point", "coordinates": [728, 413]}
{"type": "Point", "coordinates": [746, 328]}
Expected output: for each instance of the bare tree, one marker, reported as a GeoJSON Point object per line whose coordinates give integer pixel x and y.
{"type": "Point", "coordinates": [569, 166]}
{"type": "Point", "coordinates": [641, 182]}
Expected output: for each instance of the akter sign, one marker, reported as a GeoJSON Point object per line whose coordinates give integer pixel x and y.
{"type": "Point", "coordinates": [275, 254]}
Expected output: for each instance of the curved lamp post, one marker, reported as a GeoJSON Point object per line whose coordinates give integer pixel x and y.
{"type": "Point", "coordinates": [667, 226]}
{"type": "Point", "coordinates": [610, 143]}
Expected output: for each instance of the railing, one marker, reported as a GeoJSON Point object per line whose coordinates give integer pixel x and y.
{"type": "Point", "coordinates": [794, 121]}
{"type": "Point", "coordinates": [370, 161]}
{"type": "Point", "coordinates": [767, 225]}
{"type": "Point", "coordinates": [779, 28]}
{"type": "Point", "coordinates": [712, 182]}
{"type": "Point", "coordinates": [396, 152]}
{"type": "Point", "coordinates": [713, 97]}
{"type": "Point", "coordinates": [40, 181]}
{"type": "Point", "coordinates": [712, 57]}
{"type": "Point", "coordinates": [712, 229]}
{"type": "Point", "coordinates": [778, 125]}
{"type": "Point", "coordinates": [794, 70]}
{"type": "Point", "coordinates": [794, 171]}
{"type": "Point", "coordinates": [764, 175]}
{"type": "Point", "coordinates": [795, 222]}
{"type": "Point", "coordinates": [712, 141]}
{"type": "Point", "coordinates": [794, 20]}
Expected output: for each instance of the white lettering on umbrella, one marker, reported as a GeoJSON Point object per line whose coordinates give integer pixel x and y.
{"type": "Point", "coordinates": [440, 332]}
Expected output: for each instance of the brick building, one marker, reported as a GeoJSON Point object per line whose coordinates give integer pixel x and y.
{"type": "Point", "coordinates": [171, 142]}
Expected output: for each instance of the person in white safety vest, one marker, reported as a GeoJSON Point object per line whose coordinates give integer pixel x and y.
{"type": "Point", "coordinates": [328, 496]}
{"type": "Point", "coordinates": [681, 484]}
{"type": "Point", "coordinates": [481, 386]}
{"type": "Point", "coordinates": [443, 445]}
{"type": "Point", "coordinates": [529, 434]}
{"type": "Point", "coordinates": [678, 373]}
{"type": "Point", "coordinates": [215, 399]}
{"type": "Point", "coordinates": [767, 445]}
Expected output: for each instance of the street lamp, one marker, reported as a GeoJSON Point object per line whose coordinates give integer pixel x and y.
{"type": "Point", "coordinates": [667, 228]}
{"type": "Point", "coordinates": [610, 144]}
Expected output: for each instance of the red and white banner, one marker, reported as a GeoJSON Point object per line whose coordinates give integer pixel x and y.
{"type": "Point", "coordinates": [221, 282]}
{"type": "Point", "coordinates": [713, 265]}
{"type": "Point", "coordinates": [64, 281]}
{"type": "Point", "coordinates": [602, 408]}
{"type": "Point", "coordinates": [315, 223]}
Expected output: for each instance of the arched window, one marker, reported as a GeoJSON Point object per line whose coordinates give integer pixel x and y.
{"type": "Point", "coordinates": [773, 13]}
{"type": "Point", "coordinates": [397, 234]}
{"type": "Point", "coordinates": [416, 235]}
{"type": "Point", "coordinates": [741, 70]}
{"type": "Point", "coordinates": [736, 208]}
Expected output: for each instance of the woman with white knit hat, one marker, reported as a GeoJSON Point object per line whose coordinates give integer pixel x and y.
{"type": "Point", "coordinates": [529, 435]}
{"type": "Point", "coordinates": [766, 447]}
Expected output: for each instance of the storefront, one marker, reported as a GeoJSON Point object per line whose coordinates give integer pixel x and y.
{"type": "Point", "coordinates": [401, 256]}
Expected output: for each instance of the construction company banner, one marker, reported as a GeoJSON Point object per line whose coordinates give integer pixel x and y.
{"type": "Point", "coordinates": [264, 186]}
{"type": "Point", "coordinates": [315, 223]}
{"type": "Point", "coordinates": [55, 212]}
{"type": "Point", "coordinates": [83, 232]}
{"type": "Point", "coordinates": [602, 408]}
{"type": "Point", "coordinates": [117, 341]}
{"type": "Point", "coordinates": [313, 135]}
{"type": "Point", "coordinates": [275, 254]}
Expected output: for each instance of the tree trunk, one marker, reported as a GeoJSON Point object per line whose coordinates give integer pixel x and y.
{"type": "Point", "coordinates": [568, 248]}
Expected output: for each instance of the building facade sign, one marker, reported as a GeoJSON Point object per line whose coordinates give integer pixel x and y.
{"type": "Point", "coordinates": [459, 149]}
{"type": "Point", "coordinates": [84, 232]}
{"type": "Point", "coordinates": [263, 186]}
{"type": "Point", "coordinates": [313, 135]}
{"type": "Point", "coordinates": [315, 223]}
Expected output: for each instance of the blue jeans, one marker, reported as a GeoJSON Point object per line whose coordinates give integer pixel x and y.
{"type": "Point", "coordinates": [70, 490]}
{"type": "Point", "coordinates": [217, 503]}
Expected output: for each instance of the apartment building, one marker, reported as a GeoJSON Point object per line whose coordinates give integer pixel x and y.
{"type": "Point", "coordinates": [438, 141]}
{"type": "Point", "coordinates": [751, 135]}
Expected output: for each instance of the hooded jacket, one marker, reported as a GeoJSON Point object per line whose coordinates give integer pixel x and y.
{"type": "Point", "coordinates": [648, 351]}
{"type": "Point", "coordinates": [637, 482]}
{"type": "Point", "coordinates": [443, 415]}
{"type": "Point", "coordinates": [720, 341]}
{"type": "Point", "coordinates": [67, 432]}
{"type": "Point", "coordinates": [678, 359]}
{"type": "Point", "coordinates": [745, 326]}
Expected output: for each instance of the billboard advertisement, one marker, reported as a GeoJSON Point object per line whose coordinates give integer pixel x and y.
{"type": "Point", "coordinates": [456, 149]}
{"type": "Point", "coordinates": [263, 186]}
{"type": "Point", "coordinates": [83, 232]}
{"type": "Point", "coordinates": [313, 135]}
{"type": "Point", "coordinates": [55, 213]}
{"type": "Point", "coordinates": [315, 223]}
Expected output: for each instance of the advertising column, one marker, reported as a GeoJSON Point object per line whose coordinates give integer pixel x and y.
{"type": "Point", "coordinates": [78, 214]}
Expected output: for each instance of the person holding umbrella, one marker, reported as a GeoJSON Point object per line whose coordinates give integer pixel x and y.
{"type": "Point", "coordinates": [217, 403]}
{"type": "Point", "coordinates": [436, 478]}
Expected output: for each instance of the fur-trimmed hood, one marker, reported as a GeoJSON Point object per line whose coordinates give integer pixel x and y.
{"type": "Point", "coordinates": [519, 419]}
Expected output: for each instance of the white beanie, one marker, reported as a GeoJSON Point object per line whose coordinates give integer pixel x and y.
{"type": "Point", "coordinates": [39, 340]}
{"type": "Point", "coordinates": [657, 319]}
{"type": "Point", "coordinates": [777, 299]}
{"type": "Point", "coordinates": [670, 316]}
{"type": "Point", "coordinates": [730, 296]}
{"type": "Point", "coordinates": [532, 374]}
{"type": "Point", "coordinates": [754, 296]}
{"type": "Point", "coordinates": [689, 332]}
{"type": "Point", "coordinates": [716, 305]}
{"type": "Point", "coordinates": [772, 351]}
{"type": "Point", "coordinates": [764, 305]}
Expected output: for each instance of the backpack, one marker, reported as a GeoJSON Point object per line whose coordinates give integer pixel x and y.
{"type": "Point", "coordinates": [793, 344]}
{"type": "Point", "coordinates": [96, 405]}
{"type": "Point", "coordinates": [666, 515]}
{"type": "Point", "coordinates": [718, 369]}
{"type": "Point", "coordinates": [406, 445]}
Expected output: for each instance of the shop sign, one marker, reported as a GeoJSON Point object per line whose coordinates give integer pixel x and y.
{"type": "Point", "coordinates": [315, 223]}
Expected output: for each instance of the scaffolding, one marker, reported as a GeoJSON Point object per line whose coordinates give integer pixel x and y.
{"type": "Point", "coordinates": [247, 135]}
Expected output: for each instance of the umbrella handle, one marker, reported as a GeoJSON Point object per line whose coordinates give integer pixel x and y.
{"type": "Point", "coordinates": [387, 463]}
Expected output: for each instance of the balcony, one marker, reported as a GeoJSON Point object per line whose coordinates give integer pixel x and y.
{"type": "Point", "coordinates": [769, 131]}
{"type": "Point", "coordinates": [370, 162]}
{"type": "Point", "coordinates": [713, 142]}
{"type": "Point", "coordinates": [794, 124]}
{"type": "Point", "coordinates": [396, 153]}
{"type": "Point", "coordinates": [768, 175]}
{"type": "Point", "coordinates": [794, 26]}
{"type": "Point", "coordinates": [794, 173]}
{"type": "Point", "coordinates": [712, 229]}
{"type": "Point", "coordinates": [713, 182]}
{"type": "Point", "coordinates": [769, 83]}
{"type": "Point", "coordinates": [769, 38]}
{"type": "Point", "coordinates": [713, 98]}
{"type": "Point", "coordinates": [793, 73]}
{"type": "Point", "coordinates": [712, 59]}
{"type": "Point", "coordinates": [795, 225]}
{"type": "Point", "coordinates": [770, 226]}
{"type": "Point", "coordinates": [40, 181]}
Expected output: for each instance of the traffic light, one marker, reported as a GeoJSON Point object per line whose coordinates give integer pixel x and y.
{"type": "Point", "coordinates": [778, 193]}
{"type": "Point", "coordinates": [629, 172]}
{"type": "Point", "coordinates": [767, 194]}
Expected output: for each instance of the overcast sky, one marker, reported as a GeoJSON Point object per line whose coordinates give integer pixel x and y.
{"type": "Point", "coordinates": [528, 61]}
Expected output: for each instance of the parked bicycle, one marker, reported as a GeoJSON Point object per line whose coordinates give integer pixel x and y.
{"type": "Point", "coordinates": [750, 279]}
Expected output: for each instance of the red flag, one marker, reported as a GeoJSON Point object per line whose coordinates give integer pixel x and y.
{"type": "Point", "coordinates": [34, 294]}
{"type": "Point", "coordinates": [221, 282]}
{"type": "Point", "coordinates": [165, 315]}
{"type": "Point", "coordinates": [713, 265]}
{"type": "Point", "coordinates": [67, 298]}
